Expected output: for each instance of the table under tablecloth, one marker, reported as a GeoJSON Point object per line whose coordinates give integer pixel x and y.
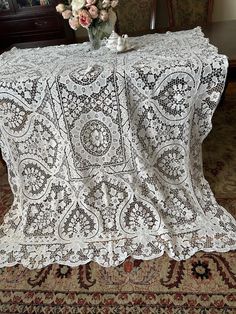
{"type": "Point", "coordinates": [104, 152]}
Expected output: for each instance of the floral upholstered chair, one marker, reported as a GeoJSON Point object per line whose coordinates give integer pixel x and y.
{"type": "Point", "coordinates": [190, 13]}
{"type": "Point", "coordinates": [136, 16]}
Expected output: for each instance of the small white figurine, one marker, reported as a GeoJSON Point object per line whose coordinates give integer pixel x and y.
{"type": "Point", "coordinates": [126, 42]}
{"type": "Point", "coordinates": [120, 44]}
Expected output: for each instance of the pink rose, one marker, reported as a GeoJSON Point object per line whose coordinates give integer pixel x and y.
{"type": "Point", "coordinates": [60, 8]}
{"type": "Point", "coordinates": [85, 18]}
{"type": "Point", "coordinates": [114, 3]}
{"type": "Point", "coordinates": [90, 2]}
{"type": "Point", "coordinates": [93, 10]}
{"type": "Point", "coordinates": [103, 15]}
{"type": "Point", "coordinates": [74, 23]}
{"type": "Point", "coordinates": [66, 14]}
{"type": "Point", "coordinates": [106, 4]}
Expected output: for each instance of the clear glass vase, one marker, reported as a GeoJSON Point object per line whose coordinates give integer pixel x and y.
{"type": "Point", "coordinates": [100, 30]}
{"type": "Point", "coordinates": [94, 38]}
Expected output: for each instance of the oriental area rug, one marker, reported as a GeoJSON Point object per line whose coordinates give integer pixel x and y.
{"type": "Point", "coordinates": [203, 284]}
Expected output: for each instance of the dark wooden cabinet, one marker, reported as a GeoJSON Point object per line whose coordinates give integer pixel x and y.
{"type": "Point", "coordinates": [32, 23]}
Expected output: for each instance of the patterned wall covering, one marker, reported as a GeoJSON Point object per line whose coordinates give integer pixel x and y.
{"type": "Point", "coordinates": [190, 12]}
{"type": "Point", "coordinates": [134, 16]}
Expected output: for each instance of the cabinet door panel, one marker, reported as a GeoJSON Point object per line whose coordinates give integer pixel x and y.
{"type": "Point", "coordinates": [32, 21]}
{"type": "Point", "coordinates": [32, 3]}
{"type": "Point", "coordinates": [39, 24]}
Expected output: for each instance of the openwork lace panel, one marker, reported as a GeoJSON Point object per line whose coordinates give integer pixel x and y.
{"type": "Point", "coordinates": [104, 152]}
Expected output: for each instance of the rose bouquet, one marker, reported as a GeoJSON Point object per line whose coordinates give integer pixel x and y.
{"type": "Point", "coordinates": [97, 16]}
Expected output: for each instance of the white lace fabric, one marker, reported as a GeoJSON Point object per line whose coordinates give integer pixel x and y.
{"type": "Point", "coordinates": [104, 152]}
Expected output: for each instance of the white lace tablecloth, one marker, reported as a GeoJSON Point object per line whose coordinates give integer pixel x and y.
{"type": "Point", "coordinates": [104, 152]}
